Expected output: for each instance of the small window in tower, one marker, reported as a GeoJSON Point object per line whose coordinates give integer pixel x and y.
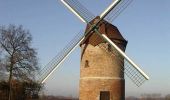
{"type": "Point", "coordinates": [104, 95]}
{"type": "Point", "coordinates": [86, 63]}
{"type": "Point", "coordinates": [109, 48]}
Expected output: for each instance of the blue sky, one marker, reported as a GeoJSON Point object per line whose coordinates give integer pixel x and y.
{"type": "Point", "coordinates": [145, 24]}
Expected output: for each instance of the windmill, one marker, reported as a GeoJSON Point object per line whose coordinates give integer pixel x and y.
{"type": "Point", "coordinates": [103, 60]}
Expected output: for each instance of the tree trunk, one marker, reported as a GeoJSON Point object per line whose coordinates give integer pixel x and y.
{"type": "Point", "coordinates": [10, 87]}
{"type": "Point", "coordinates": [10, 80]}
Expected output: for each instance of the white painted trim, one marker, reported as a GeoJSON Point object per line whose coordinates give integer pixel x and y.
{"type": "Point", "coordinates": [125, 56]}
{"type": "Point", "coordinates": [113, 78]}
{"type": "Point", "coordinates": [115, 2]}
{"type": "Point", "coordinates": [57, 66]}
{"type": "Point", "coordinates": [72, 10]}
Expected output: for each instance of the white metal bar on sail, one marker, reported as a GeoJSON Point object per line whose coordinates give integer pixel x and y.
{"type": "Point", "coordinates": [57, 66]}
{"type": "Point", "coordinates": [109, 9]}
{"type": "Point", "coordinates": [124, 55]}
{"type": "Point", "coordinates": [72, 10]}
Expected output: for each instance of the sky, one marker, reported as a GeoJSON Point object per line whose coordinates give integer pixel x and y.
{"type": "Point", "coordinates": [145, 24]}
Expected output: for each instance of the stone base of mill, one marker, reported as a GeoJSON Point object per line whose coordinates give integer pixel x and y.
{"type": "Point", "coordinates": [102, 89]}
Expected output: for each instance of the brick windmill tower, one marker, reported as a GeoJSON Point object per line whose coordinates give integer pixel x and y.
{"type": "Point", "coordinates": [103, 61]}
{"type": "Point", "coordinates": [100, 73]}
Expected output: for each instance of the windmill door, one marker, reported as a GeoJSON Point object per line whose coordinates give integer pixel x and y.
{"type": "Point", "coordinates": [104, 95]}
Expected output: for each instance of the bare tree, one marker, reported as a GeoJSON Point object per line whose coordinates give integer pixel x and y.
{"type": "Point", "coordinates": [17, 55]}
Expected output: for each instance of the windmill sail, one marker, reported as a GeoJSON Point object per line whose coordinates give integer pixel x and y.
{"type": "Point", "coordinates": [110, 8]}
{"type": "Point", "coordinates": [117, 10]}
{"type": "Point", "coordinates": [129, 67]}
{"type": "Point", "coordinates": [79, 10]}
{"type": "Point", "coordinates": [116, 7]}
{"type": "Point", "coordinates": [59, 58]}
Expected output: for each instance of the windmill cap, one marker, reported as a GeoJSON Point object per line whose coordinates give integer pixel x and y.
{"type": "Point", "coordinates": [106, 28]}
